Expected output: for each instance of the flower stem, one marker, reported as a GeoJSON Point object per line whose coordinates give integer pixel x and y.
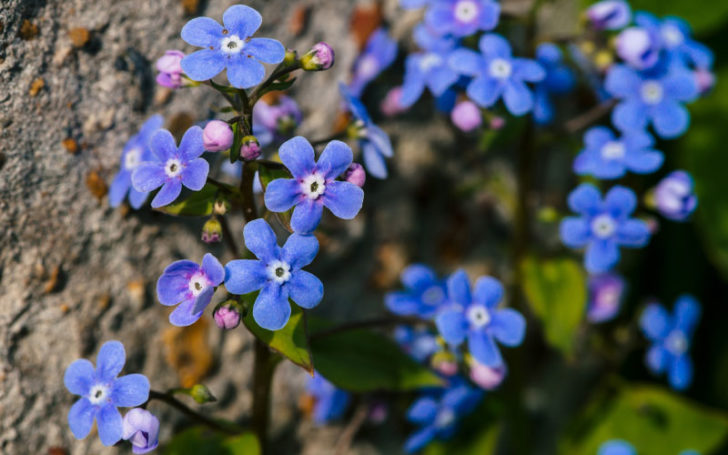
{"type": "Point", "coordinates": [282, 70]}
{"type": "Point", "coordinates": [228, 428]}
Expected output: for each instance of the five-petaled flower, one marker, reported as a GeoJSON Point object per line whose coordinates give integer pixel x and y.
{"type": "Point", "coordinates": [330, 402]}
{"type": "Point", "coordinates": [191, 286]}
{"type": "Point", "coordinates": [670, 336]}
{"type": "Point", "coordinates": [141, 428]}
{"type": "Point", "coordinates": [102, 392]}
{"type": "Point", "coordinates": [379, 52]}
{"type": "Point", "coordinates": [462, 17]}
{"type": "Point", "coordinates": [171, 167]}
{"type": "Point", "coordinates": [314, 184]}
{"type": "Point", "coordinates": [603, 225]}
{"type": "Point", "coordinates": [476, 317]}
{"type": "Point", "coordinates": [276, 273]}
{"type": "Point", "coordinates": [496, 73]}
{"type": "Point", "coordinates": [424, 293]}
{"type": "Point", "coordinates": [674, 36]}
{"type": "Point", "coordinates": [606, 157]}
{"type": "Point", "coordinates": [230, 47]}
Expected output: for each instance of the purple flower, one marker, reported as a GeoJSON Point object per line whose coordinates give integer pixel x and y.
{"type": "Point", "coordinates": [141, 428]}
{"type": "Point", "coordinates": [419, 342]}
{"type": "Point", "coordinates": [462, 17]}
{"type": "Point", "coordinates": [670, 336]}
{"type": "Point", "coordinates": [674, 36]}
{"type": "Point", "coordinates": [102, 392]}
{"type": "Point", "coordinates": [319, 58]}
{"type": "Point", "coordinates": [605, 297]}
{"type": "Point", "coordinates": [217, 136]}
{"type": "Point", "coordinates": [273, 122]}
{"type": "Point", "coordinates": [191, 286]}
{"type": "Point", "coordinates": [314, 185]}
{"type": "Point", "coordinates": [466, 116]}
{"type": "Point", "coordinates": [639, 47]}
{"type": "Point", "coordinates": [675, 197]}
{"type": "Point", "coordinates": [226, 317]}
{"type": "Point", "coordinates": [496, 73]}
{"type": "Point", "coordinates": [135, 152]}
{"type": "Point", "coordinates": [171, 167]}
{"type": "Point", "coordinates": [355, 174]}
{"type": "Point", "coordinates": [170, 69]}
{"type": "Point", "coordinates": [423, 296]}
{"type": "Point", "coordinates": [330, 402]}
{"type": "Point", "coordinates": [603, 225]}
{"type": "Point", "coordinates": [276, 273]}
{"type": "Point", "coordinates": [476, 317]}
{"type": "Point", "coordinates": [230, 47]}
{"type": "Point", "coordinates": [609, 14]}
{"type": "Point", "coordinates": [559, 79]}
{"type": "Point", "coordinates": [379, 53]}
{"type": "Point", "coordinates": [250, 149]}
{"type": "Point", "coordinates": [616, 447]}
{"type": "Point", "coordinates": [654, 96]}
{"type": "Point", "coordinates": [606, 157]}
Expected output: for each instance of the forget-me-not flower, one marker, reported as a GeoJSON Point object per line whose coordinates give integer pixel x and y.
{"type": "Point", "coordinates": [462, 17]}
{"type": "Point", "coordinates": [424, 293]}
{"type": "Point", "coordinates": [330, 402]}
{"type": "Point", "coordinates": [603, 225]}
{"type": "Point", "coordinates": [475, 317]}
{"type": "Point", "coordinates": [607, 157]}
{"type": "Point", "coordinates": [314, 184]}
{"type": "Point", "coordinates": [276, 273]}
{"type": "Point", "coordinates": [497, 74]}
{"type": "Point", "coordinates": [379, 52]}
{"type": "Point", "coordinates": [170, 167]}
{"type": "Point", "coordinates": [670, 336]}
{"type": "Point", "coordinates": [102, 392]}
{"type": "Point", "coordinates": [135, 152]}
{"type": "Point", "coordinates": [560, 79]}
{"type": "Point", "coordinates": [141, 428]}
{"type": "Point", "coordinates": [191, 286]}
{"type": "Point", "coordinates": [230, 46]}
{"type": "Point", "coordinates": [675, 197]}
{"type": "Point", "coordinates": [674, 36]}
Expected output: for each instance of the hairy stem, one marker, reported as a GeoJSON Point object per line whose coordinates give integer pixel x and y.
{"type": "Point", "coordinates": [194, 415]}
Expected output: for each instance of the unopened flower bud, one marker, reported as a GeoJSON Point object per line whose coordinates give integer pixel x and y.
{"type": "Point", "coordinates": [212, 230]}
{"type": "Point", "coordinates": [141, 428]}
{"type": "Point", "coordinates": [466, 116]}
{"type": "Point", "coordinates": [227, 317]}
{"type": "Point", "coordinates": [355, 174]}
{"type": "Point", "coordinates": [497, 123]}
{"type": "Point", "coordinates": [201, 394]}
{"type": "Point", "coordinates": [391, 104]}
{"type": "Point", "coordinates": [675, 197]}
{"type": "Point", "coordinates": [638, 47]}
{"type": "Point", "coordinates": [609, 15]}
{"type": "Point", "coordinates": [170, 69]}
{"type": "Point", "coordinates": [319, 58]}
{"type": "Point", "coordinates": [704, 79]}
{"type": "Point", "coordinates": [445, 363]}
{"type": "Point", "coordinates": [221, 206]}
{"type": "Point", "coordinates": [250, 149]}
{"type": "Point", "coordinates": [486, 377]}
{"type": "Point", "coordinates": [217, 136]}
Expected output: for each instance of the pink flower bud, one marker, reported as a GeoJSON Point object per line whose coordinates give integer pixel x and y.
{"type": "Point", "coordinates": [497, 123]}
{"type": "Point", "coordinates": [391, 105]}
{"type": "Point", "coordinates": [250, 149]}
{"type": "Point", "coordinates": [170, 69]}
{"type": "Point", "coordinates": [356, 174]}
{"type": "Point", "coordinates": [704, 79]}
{"type": "Point", "coordinates": [226, 317]}
{"type": "Point", "coordinates": [319, 58]}
{"type": "Point", "coordinates": [486, 377]}
{"type": "Point", "coordinates": [217, 136]}
{"type": "Point", "coordinates": [466, 116]}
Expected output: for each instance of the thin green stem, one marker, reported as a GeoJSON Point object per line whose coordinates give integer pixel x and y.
{"type": "Point", "coordinates": [280, 71]}
{"type": "Point", "coordinates": [191, 413]}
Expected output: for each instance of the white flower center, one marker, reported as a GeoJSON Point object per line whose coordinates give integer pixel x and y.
{"type": "Point", "coordinates": [368, 66]}
{"type": "Point", "coordinates": [232, 44]}
{"type": "Point", "coordinates": [652, 92]}
{"type": "Point", "coordinates": [430, 61]}
{"type": "Point", "coordinates": [132, 158]}
{"type": "Point", "coordinates": [672, 35]}
{"type": "Point", "coordinates": [313, 186]}
{"type": "Point", "coordinates": [433, 296]}
{"type": "Point", "coordinates": [173, 167]}
{"type": "Point", "coordinates": [466, 11]}
{"type": "Point", "coordinates": [444, 418]}
{"type": "Point", "coordinates": [478, 316]}
{"type": "Point", "coordinates": [676, 342]}
{"type": "Point", "coordinates": [500, 68]}
{"type": "Point", "coordinates": [613, 150]}
{"type": "Point", "coordinates": [279, 271]}
{"type": "Point", "coordinates": [98, 394]}
{"type": "Point", "coordinates": [603, 226]}
{"type": "Point", "coordinates": [198, 283]}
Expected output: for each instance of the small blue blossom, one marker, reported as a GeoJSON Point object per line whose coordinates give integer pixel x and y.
{"type": "Point", "coordinates": [616, 447]}
{"type": "Point", "coordinates": [603, 225]}
{"type": "Point", "coordinates": [607, 157]}
{"type": "Point", "coordinates": [330, 401]}
{"type": "Point", "coordinates": [273, 122]}
{"type": "Point", "coordinates": [141, 429]}
{"type": "Point", "coordinates": [498, 74]}
{"type": "Point", "coordinates": [276, 273]}
{"type": "Point", "coordinates": [655, 96]}
{"type": "Point", "coordinates": [419, 343]}
{"type": "Point", "coordinates": [314, 185]}
{"type": "Point", "coordinates": [674, 36]}
{"type": "Point", "coordinates": [374, 142]}
{"type": "Point", "coordinates": [675, 197]}
{"type": "Point", "coordinates": [379, 52]}
{"type": "Point", "coordinates": [135, 152]}
{"type": "Point", "coordinates": [437, 413]}
{"type": "Point", "coordinates": [605, 297]}
{"type": "Point", "coordinates": [102, 392]}
{"type": "Point", "coordinates": [424, 293]}
{"type": "Point", "coordinates": [230, 47]}
{"type": "Point", "coordinates": [670, 337]}
{"type": "Point", "coordinates": [191, 286]}
{"type": "Point", "coordinates": [609, 14]}
{"type": "Point", "coordinates": [170, 167]}
{"type": "Point", "coordinates": [560, 79]}
{"type": "Point", "coordinates": [462, 17]}
{"type": "Point", "coordinates": [476, 317]}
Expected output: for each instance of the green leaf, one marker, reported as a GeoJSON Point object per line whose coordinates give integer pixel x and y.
{"type": "Point", "coordinates": [556, 291]}
{"type": "Point", "coordinates": [200, 203]}
{"type": "Point", "coordinates": [245, 444]}
{"type": "Point", "coordinates": [655, 421]}
{"type": "Point", "coordinates": [203, 441]}
{"type": "Point", "coordinates": [363, 361]}
{"type": "Point", "coordinates": [290, 341]}
{"type": "Point", "coordinates": [238, 135]}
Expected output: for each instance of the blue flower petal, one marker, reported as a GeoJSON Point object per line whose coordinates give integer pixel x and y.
{"type": "Point", "coordinates": [575, 232]}
{"type": "Point", "coordinates": [655, 322]}
{"type": "Point", "coordinates": [202, 300]}
{"type": "Point", "coordinates": [634, 233]}
{"type": "Point", "coordinates": [242, 20]}
{"type": "Point", "coordinates": [687, 313]}
{"type": "Point", "coordinates": [656, 358]}
{"type": "Point", "coordinates": [413, 84]}
{"type": "Point", "coordinates": [271, 309]}
{"type": "Point", "coordinates": [148, 176]}
{"type": "Point", "coordinates": [344, 199]}
{"type": "Point", "coordinates": [213, 269]}
{"type": "Point", "coordinates": [630, 115]}
{"type": "Point", "coordinates": [203, 65]}
{"type": "Point", "coordinates": [173, 285]}
{"type": "Point", "coordinates": [78, 377]}
{"type": "Point", "coordinates": [644, 162]}
{"type": "Point", "coordinates": [130, 390]}
{"type": "Point", "coordinates": [482, 346]}
{"type": "Point", "coordinates": [244, 275]}
{"type": "Point", "coordinates": [528, 70]}
{"type": "Point", "coordinates": [439, 18]}
{"type": "Point", "coordinates": [192, 146]}
{"type": "Point", "coordinates": [194, 175]}
{"type": "Point", "coordinates": [508, 326]}
{"type": "Point", "coordinates": [202, 32]}
{"type": "Point", "coordinates": [517, 97]}
{"type": "Point", "coordinates": [109, 424]}
{"type": "Point", "coordinates": [680, 373]}
{"type": "Point", "coordinates": [299, 250]}
{"type": "Point", "coordinates": [374, 161]}
{"type": "Point", "coordinates": [307, 215]}
{"type": "Point", "coordinates": [484, 91]}
{"type": "Point", "coordinates": [297, 155]}
{"type": "Point", "coordinates": [244, 72]}
{"type": "Point", "coordinates": [261, 240]}
{"type": "Point", "coordinates": [137, 198]}
{"type": "Point", "coordinates": [601, 255]}
{"type": "Point", "coordinates": [466, 61]}
{"type": "Point", "coordinates": [616, 447]}
{"type": "Point", "coordinates": [440, 79]}
{"type": "Point", "coordinates": [494, 45]}
{"type": "Point", "coordinates": [597, 137]}
{"type": "Point", "coordinates": [334, 160]}
{"type": "Point", "coordinates": [420, 439]}
{"type": "Point", "coordinates": [458, 288]}
{"type": "Point", "coordinates": [169, 192]}
{"type": "Point", "coordinates": [488, 291]}
{"type": "Point", "coordinates": [418, 277]}
{"type": "Point", "coordinates": [489, 15]}
{"type": "Point", "coordinates": [670, 119]}
{"type": "Point", "coordinates": [119, 188]}
{"type": "Point", "coordinates": [422, 411]}
{"type": "Point", "coordinates": [681, 86]}
{"type": "Point", "coordinates": [452, 325]}
{"type": "Point", "coordinates": [282, 194]}
{"type": "Point", "coordinates": [622, 82]}
{"type": "Point", "coordinates": [81, 418]}
{"type": "Point", "coordinates": [380, 139]}
{"type": "Point", "coordinates": [402, 303]}
{"type": "Point", "coordinates": [585, 199]}
{"type": "Point", "coordinates": [110, 360]}
{"type": "Point", "coordinates": [266, 50]}
{"type": "Point", "coordinates": [183, 315]}
{"type": "Point", "coordinates": [620, 202]}
{"type": "Point", "coordinates": [305, 289]}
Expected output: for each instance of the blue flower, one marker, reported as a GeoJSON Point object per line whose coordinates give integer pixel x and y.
{"type": "Point", "coordinates": [141, 429]}
{"type": "Point", "coordinates": [102, 392]}
{"type": "Point", "coordinates": [314, 184]}
{"type": "Point", "coordinates": [419, 343]}
{"type": "Point", "coordinates": [135, 152]}
{"type": "Point", "coordinates": [616, 447]}
{"type": "Point", "coordinates": [171, 167]}
{"type": "Point", "coordinates": [606, 157]}
{"type": "Point", "coordinates": [428, 68]}
{"type": "Point", "coordinates": [330, 402]}
{"type": "Point", "coordinates": [438, 412]}
{"type": "Point", "coordinates": [654, 96]}
{"type": "Point", "coordinates": [559, 79]}
{"type": "Point", "coordinates": [477, 318]}
{"type": "Point", "coordinates": [609, 14]}
{"type": "Point", "coordinates": [675, 196]}
{"type": "Point", "coordinates": [230, 47]}
{"type": "Point", "coordinates": [191, 286]}
{"type": "Point", "coordinates": [670, 337]}
{"type": "Point", "coordinates": [424, 293]}
{"type": "Point", "coordinates": [462, 17]}
{"type": "Point", "coordinates": [379, 53]}
{"type": "Point", "coordinates": [276, 273]}
{"type": "Point", "coordinates": [605, 297]}
{"type": "Point", "coordinates": [674, 36]}
{"type": "Point", "coordinates": [498, 74]}
{"type": "Point", "coordinates": [603, 225]}
{"type": "Point", "coordinates": [374, 142]}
